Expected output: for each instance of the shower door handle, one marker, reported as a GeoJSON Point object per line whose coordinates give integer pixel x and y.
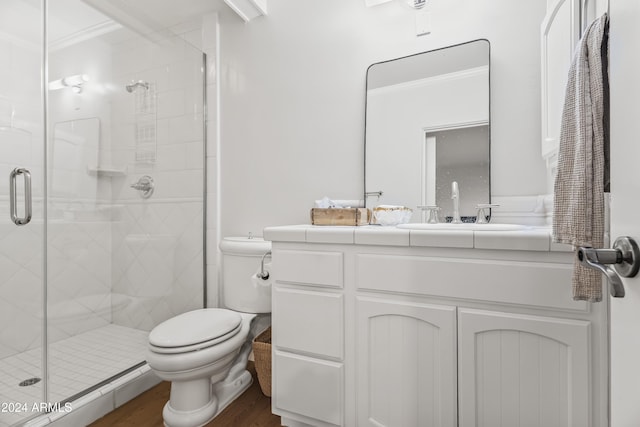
{"type": "Point", "coordinates": [13, 188]}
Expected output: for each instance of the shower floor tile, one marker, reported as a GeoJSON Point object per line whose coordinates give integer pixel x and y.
{"type": "Point", "coordinates": [75, 364]}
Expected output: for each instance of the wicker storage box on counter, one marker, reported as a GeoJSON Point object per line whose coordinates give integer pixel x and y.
{"type": "Point", "coordinates": [262, 356]}
{"type": "Point", "coordinates": [340, 216]}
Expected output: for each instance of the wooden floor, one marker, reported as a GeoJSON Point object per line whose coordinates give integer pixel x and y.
{"type": "Point", "coordinates": [251, 409]}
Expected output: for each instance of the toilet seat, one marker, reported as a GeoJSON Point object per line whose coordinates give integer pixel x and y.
{"type": "Point", "coordinates": [194, 330]}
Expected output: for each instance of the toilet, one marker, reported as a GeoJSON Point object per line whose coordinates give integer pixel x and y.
{"type": "Point", "coordinates": [204, 352]}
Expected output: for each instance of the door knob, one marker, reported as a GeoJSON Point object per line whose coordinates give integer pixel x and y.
{"type": "Point", "coordinates": [622, 260]}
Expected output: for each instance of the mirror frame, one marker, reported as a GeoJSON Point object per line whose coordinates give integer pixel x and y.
{"type": "Point", "coordinates": [367, 194]}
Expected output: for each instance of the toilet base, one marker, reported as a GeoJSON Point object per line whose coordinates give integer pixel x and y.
{"type": "Point", "coordinates": [223, 393]}
{"type": "Point", "coordinates": [228, 390]}
{"type": "Point", "coordinates": [196, 418]}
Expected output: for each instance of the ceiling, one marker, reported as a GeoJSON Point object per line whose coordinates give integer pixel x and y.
{"type": "Point", "coordinates": [77, 19]}
{"type": "Point", "coordinates": [163, 13]}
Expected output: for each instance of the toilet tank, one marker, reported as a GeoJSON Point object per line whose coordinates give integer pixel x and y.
{"type": "Point", "coordinates": [242, 290]}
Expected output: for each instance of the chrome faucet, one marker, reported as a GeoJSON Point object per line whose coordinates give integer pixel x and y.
{"type": "Point", "coordinates": [455, 196]}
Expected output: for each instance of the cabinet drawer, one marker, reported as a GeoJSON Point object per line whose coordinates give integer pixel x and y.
{"type": "Point", "coordinates": [309, 267]}
{"type": "Point", "coordinates": [528, 283]}
{"type": "Point", "coordinates": [309, 387]}
{"type": "Point", "coordinates": [308, 321]}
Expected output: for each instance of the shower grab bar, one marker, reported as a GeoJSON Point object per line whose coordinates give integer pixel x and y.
{"type": "Point", "coordinates": [13, 188]}
{"type": "Point", "coordinates": [264, 275]}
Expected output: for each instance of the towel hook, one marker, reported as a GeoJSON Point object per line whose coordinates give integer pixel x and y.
{"type": "Point", "coordinates": [625, 258]}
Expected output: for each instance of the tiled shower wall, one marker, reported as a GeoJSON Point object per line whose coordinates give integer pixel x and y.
{"type": "Point", "coordinates": [113, 256]}
{"type": "Point", "coordinates": [79, 226]}
{"type": "Point", "coordinates": [157, 264]}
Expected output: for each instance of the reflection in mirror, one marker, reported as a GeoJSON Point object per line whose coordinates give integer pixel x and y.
{"type": "Point", "coordinates": [461, 156]}
{"type": "Point", "coordinates": [427, 125]}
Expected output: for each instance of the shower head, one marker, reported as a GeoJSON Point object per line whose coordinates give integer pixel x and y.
{"type": "Point", "coordinates": [134, 85]}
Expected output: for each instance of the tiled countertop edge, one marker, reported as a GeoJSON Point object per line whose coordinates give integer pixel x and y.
{"type": "Point", "coordinates": [530, 239]}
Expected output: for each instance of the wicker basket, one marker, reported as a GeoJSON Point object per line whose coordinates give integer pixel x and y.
{"type": "Point", "coordinates": [262, 355]}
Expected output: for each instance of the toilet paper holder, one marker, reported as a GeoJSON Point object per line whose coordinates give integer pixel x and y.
{"type": "Point", "coordinates": [264, 274]}
{"type": "Point", "coordinates": [622, 260]}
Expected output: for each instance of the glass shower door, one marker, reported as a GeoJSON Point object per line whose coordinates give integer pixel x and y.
{"type": "Point", "coordinates": [89, 264]}
{"type": "Point", "coordinates": [22, 373]}
{"type": "Point", "coordinates": [125, 175]}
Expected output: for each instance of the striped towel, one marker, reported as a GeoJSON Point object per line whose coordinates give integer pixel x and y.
{"type": "Point", "coordinates": [578, 209]}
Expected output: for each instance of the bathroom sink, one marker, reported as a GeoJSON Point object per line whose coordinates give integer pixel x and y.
{"type": "Point", "coordinates": [464, 226]}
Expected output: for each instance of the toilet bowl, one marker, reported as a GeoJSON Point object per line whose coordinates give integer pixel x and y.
{"type": "Point", "coordinates": [193, 357]}
{"type": "Point", "coordinates": [204, 352]}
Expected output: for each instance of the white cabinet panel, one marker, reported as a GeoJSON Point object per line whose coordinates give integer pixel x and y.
{"type": "Point", "coordinates": [527, 283]}
{"type": "Point", "coordinates": [309, 321]}
{"type": "Point", "coordinates": [309, 387]}
{"type": "Point", "coordinates": [309, 267]}
{"type": "Point", "coordinates": [406, 356]}
{"type": "Point", "coordinates": [523, 370]}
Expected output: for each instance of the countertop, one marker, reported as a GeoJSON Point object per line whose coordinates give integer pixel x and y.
{"type": "Point", "coordinates": [528, 239]}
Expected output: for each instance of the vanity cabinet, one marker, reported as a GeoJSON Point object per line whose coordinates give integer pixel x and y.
{"type": "Point", "coordinates": [374, 335]}
{"type": "Point", "coordinates": [510, 367]}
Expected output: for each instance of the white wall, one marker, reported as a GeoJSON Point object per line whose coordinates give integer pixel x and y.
{"type": "Point", "coordinates": [292, 96]}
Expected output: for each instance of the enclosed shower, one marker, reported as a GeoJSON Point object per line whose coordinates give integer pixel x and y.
{"type": "Point", "coordinates": [101, 204]}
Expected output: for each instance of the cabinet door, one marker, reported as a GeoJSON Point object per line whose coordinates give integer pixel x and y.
{"type": "Point", "coordinates": [406, 355]}
{"type": "Point", "coordinates": [519, 370]}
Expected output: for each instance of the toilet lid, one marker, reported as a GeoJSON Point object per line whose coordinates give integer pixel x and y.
{"type": "Point", "coordinates": [195, 327]}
